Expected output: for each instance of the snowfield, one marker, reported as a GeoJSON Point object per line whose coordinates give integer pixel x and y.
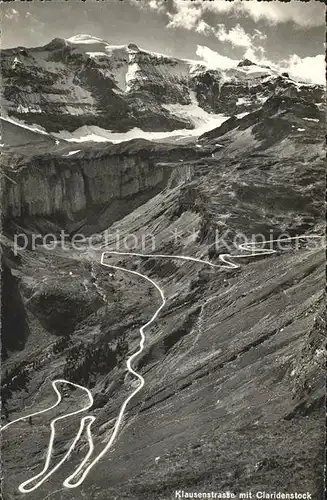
{"type": "Point", "coordinates": [97, 134]}
{"type": "Point", "coordinates": [201, 119]}
{"type": "Point", "coordinates": [197, 115]}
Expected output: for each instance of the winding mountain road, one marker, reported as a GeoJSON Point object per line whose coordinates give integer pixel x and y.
{"type": "Point", "coordinates": [86, 465]}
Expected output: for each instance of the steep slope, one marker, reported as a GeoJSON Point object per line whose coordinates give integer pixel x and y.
{"type": "Point", "coordinates": [271, 174]}
{"type": "Point", "coordinates": [16, 134]}
{"type": "Point", "coordinates": [233, 367]}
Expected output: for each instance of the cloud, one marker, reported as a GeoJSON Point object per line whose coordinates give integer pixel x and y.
{"type": "Point", "coordinates": [236, 36]}
{"type": "Point", "coordinates": [259, 35]}
{"type": "Point", "coordinates": [12, 14]}
{"type": "Point", "coordinates": [303, 14]}
{"type": "Point", "coordinates": [204, 28]}
{"type": "Point", "coordinates": [306, 69]}
{"type": "Point", "coordinates": [157, 5]}
{"type": "Point", "coordinates": [256, 55]}
{"type": "Point", "coordinates": [213, 59]}
{"type": "Point", "coordinates": [187, 15]}
{"type": "Point", "coordinates": [34, 24]}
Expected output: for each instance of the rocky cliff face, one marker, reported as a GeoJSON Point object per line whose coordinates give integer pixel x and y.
{"type": "Point", "coordinates": [14, 323]}
{"type": "Point", "coordinates": [75, 187]}
{"type": "Point", "coordinates": [64, 188]}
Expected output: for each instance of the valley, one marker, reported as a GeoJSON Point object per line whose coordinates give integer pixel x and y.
{"type": "Point", "coordinates": [233, 358]}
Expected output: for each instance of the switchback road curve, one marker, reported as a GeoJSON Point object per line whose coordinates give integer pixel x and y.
{"type": "Point", "coordinates": [85, 427]}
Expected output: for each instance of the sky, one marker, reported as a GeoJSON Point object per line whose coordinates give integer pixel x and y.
{"type": "Point", "coordinates": [287, 35]}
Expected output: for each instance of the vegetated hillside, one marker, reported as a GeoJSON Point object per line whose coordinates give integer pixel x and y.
{"type": "Point", "coordinates": [233, 367]}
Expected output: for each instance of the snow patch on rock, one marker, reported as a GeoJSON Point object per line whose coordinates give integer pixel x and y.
{"type": "Point", "coordinates": [243, 100]}
{"type": "Point", "coordinates": [131, 75]}
{"type": "Point", "coordinates": [72, 152]}
{"type": "Point", "coordinates": [33, 128]}
{"type": "Point", "coordinates": [311, 119]}
{"type": "Point", "coordinates": [241, 115]}
{"type": "Point", "coordinates": [201, 119]}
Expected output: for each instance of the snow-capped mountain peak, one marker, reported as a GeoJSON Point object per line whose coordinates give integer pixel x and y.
{"type": "Point", "coordinates": [88, 44]}
{"type": "Point", "coordinates": [245, 62]}
{"type": "Point", "coordinates": [85, 81]}
{"type": "Point", "coordinates": [84, 38]}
